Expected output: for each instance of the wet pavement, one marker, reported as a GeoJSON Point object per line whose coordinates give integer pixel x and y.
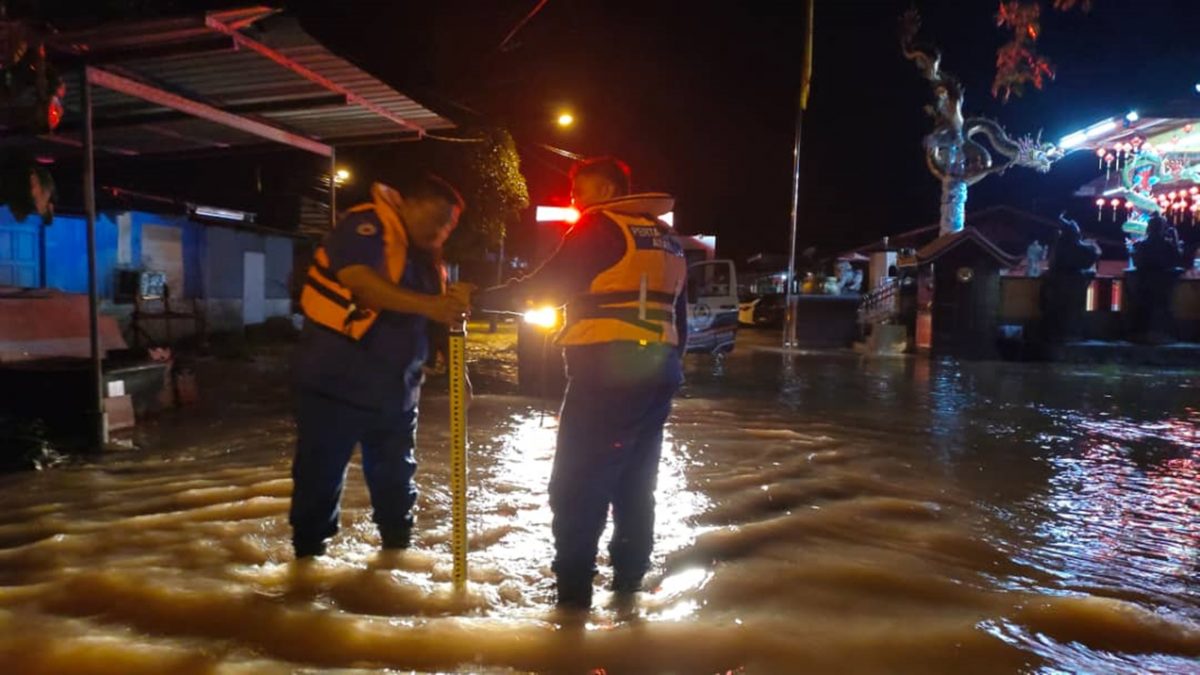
{"type": "Point", "coordinates": [818, 513]}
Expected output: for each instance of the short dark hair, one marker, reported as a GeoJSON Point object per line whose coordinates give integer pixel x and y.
{"type": "Point", "coordinates": [430, 186]}
{"type": "Point", "coordinates": [610, 169]}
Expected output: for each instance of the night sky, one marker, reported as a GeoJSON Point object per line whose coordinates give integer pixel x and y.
{"type": "Point", "coordinates": [700, 98]}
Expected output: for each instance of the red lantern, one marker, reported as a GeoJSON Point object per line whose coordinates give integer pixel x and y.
{"type": "Point", "coordinates": [54, 113]}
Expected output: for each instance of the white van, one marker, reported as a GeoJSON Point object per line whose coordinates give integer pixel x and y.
{"type": "Point", "coordinates": [712, 306]}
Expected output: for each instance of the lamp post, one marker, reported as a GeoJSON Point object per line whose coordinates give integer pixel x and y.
{"type": "Point", "coordinates": [337, 177]}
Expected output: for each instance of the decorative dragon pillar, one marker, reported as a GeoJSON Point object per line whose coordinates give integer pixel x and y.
{"type": "Point", "coordinates": [951, 153]}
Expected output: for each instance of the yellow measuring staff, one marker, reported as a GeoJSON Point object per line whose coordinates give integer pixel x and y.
{"type": "Point", "coordinates": [458, 453]}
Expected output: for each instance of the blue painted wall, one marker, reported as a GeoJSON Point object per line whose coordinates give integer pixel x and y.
{"type": "Point", "coordinates": [66, 253]}
{"type": "Point", "coordinates": [66, 250]}
{"type": "Point", "coordinates": [212, 255]}
{"type": "Point", "coordinates": [20, 256]}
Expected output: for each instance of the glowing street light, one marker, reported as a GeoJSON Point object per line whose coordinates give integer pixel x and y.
{"type": "Point", "coordinates": [565, 119]}
{"type": "Point", "coordinates": [341, 176]}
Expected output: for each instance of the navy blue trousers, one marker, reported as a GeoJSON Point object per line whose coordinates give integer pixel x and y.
{"type": "Point", "coordinates": [609, 444]}
{"type": "Point", "coordinates": [327, 431]}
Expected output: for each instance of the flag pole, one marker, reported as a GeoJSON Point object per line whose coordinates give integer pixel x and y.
{"type": "Point", "coordinates": [789, 328]}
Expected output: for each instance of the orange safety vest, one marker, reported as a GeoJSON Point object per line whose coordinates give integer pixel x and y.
{"type": "Point", "coordinates": [328, 303]}
{"type": "Point", "coordinates": [634, 300]}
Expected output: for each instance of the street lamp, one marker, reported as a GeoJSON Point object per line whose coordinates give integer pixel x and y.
{"type": "Point", "coordinates": [565, 120]}
{"type": "Point", "coordinates": [341, 176]}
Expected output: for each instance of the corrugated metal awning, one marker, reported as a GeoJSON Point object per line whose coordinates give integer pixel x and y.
{"type": "Point", "coordinates": [253, 62]}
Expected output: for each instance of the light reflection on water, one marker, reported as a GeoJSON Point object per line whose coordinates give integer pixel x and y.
{"type": "Point", "coordinates": [1122, 509]}
{"type": "Point", "coordinates": [511, 532]}
{"type": "Point", "coordinates": [1089, 478]}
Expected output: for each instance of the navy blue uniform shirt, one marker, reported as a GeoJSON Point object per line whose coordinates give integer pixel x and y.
{"type": "Point", "coordinates": [593, 245]}
{"type": "Point", "coordinates": [385, 365]}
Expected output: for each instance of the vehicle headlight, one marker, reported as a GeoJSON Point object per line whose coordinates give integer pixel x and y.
{"type": "Point", "coordinates": [542, 317]}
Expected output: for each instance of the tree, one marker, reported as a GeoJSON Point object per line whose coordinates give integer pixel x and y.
{"type": "Point", "coordinates": [1018, 61]}
{"type": "Point", "coordinates": [489, 175]}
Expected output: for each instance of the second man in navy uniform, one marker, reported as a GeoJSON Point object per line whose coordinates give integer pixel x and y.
{"type": "Point", "coordinates": [621, 274]}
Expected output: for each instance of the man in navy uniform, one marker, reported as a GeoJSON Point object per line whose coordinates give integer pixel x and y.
{"type": "Point", "coordinates": [621, 274]}
{"type": "Point", "coordinates": [374, 284]}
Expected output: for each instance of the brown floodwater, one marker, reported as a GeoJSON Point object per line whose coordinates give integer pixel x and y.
{"type": "Point", "coordinates": [818, 513]}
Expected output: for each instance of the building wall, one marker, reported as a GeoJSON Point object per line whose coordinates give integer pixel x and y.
{"type": "Point", "coordinates": [20, 257]}
{"type": "Point", "coordinates": [65, 242]}
{"type": "Point", "coordinates": [205, 261]}
{"type": "Point", "coordinates": [119, 245]}
{"type": "Point", "coordinates": [879, 267]}
{"type": "Point", "coordinates": [223, 259]}
{"type": "Point", "coordinates": [224, 254]}
{"type": "Point", "coordinates": [279, 268]}
{"type": "Point", "coordinates": [966, 312]}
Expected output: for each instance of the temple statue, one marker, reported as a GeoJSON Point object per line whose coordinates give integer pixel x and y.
{"type": "Point", "coordinates": [1064, 289]}
{"type": "Point", "coordinates": [1159, 263]}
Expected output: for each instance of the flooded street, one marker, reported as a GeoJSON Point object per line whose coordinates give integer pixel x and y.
{"type": "Point", "coordinates": [817, 513]}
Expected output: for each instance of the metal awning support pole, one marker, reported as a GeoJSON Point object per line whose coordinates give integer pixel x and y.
{"type": "Point", "coordinates": [789, 327]}
{"type": "Point", "coordinates": [332, 188]}
{"type": "Point", "coordinates": [99, 426]}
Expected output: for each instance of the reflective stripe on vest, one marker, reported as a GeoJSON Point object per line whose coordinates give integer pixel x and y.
{"type": "Point", "coordinates": [326, 302]}
{"type": "Point", "coordinates": [634, 300]}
